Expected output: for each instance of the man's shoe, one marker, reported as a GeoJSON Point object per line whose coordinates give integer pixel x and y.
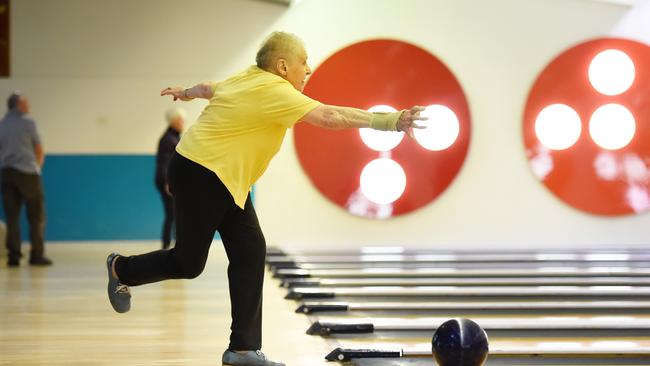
{"type": "Point", "coordinates": [118, 293]}
{"type": "Point", "coordinates": [13, 262]}
{"type": "Point", "coordinates": [40, 261]}
{"type": "Point", "coordinates": [246, 358]}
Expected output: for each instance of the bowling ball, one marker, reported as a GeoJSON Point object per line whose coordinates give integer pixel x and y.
{"type": "Point", "coordinates": [459, 342]}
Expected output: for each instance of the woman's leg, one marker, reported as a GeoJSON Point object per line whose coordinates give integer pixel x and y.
{"type": "Point", "coordinates": [246, 249]}
{"type": "Point", "coordinates": [200, 203]}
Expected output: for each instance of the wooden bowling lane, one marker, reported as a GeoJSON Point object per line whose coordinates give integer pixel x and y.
{"type": "Point", "coordinates": [596, 271]}
{"type": "Point", "coordinates": [503, 281]}
{"type": "Point", "coordinates": [585, 253]}
{"type": "Point", "coordinates": [629, 351]}
{"type": "Point", "coordinates": [468, 292]}
{"type": "Point", "coordinates": [432, 259]}
{"type": "Point", "coordinates": [522, 325]}
{"type": "Point", "coordinates": [474, 306]}
{"type": "Point", "coordinates": [461, 265]}
{"type": "Point", "coordinates": [543, 308]}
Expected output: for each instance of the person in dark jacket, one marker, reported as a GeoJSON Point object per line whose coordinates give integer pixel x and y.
{"type": "Point", "coordinates": [166, 146]}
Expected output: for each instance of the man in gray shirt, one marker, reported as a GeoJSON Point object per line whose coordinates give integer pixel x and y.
{"type": "Point", "coordinates": [21, 158]}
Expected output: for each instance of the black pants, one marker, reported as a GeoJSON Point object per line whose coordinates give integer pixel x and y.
{"type": "Point", "coordinates": [203, 205]}
{"type": "Point", "coordinates": [19, 188]}
{"type": "Point", "coordinates": [168, 220]}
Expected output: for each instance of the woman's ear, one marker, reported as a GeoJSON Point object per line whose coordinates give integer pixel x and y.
{"type": "Point", "coordinates": [282, 67]}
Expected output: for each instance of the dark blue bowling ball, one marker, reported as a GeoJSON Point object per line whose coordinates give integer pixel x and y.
{"type": "Point", "coordinates": [459, 342]}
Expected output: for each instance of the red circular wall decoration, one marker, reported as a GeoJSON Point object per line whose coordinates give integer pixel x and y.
{"type": "Point", "coordinates": [586, 127]}
{"type": "Point", "coordinates": [410, 173]}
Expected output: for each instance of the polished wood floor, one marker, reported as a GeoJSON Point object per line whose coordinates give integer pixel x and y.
{"type": "Point", "coordinates": [60, 315]}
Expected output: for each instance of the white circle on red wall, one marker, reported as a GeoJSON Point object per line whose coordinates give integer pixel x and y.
{"type": "Point", "coordinates": [612, 126]}
{"type": "Point", "coordinates": [441, 130]}
{"type": "Point", "coordinates": [558, 126]}
{"type": "Point", "coordinates": [611, 72]}
{"type": "Point", "coordinates": [381, 140]}
{"type": "Point", "coordinates": [382, 181]}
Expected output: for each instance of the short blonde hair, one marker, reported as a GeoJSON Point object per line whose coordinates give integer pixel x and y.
{"type": "Point", "coordinates": [276, 45]}
{"type": "Point", "coordinates": [173, 113]}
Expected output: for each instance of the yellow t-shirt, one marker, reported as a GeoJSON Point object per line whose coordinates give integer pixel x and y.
{"type": "Point", "coordinates": [243, 127]}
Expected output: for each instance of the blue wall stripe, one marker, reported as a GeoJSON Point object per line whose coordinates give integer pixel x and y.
{"type": "Point", "coordinates": [100, 197]}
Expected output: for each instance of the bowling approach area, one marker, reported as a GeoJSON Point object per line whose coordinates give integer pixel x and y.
{"type": "Point", "coordinates": [382, 305]}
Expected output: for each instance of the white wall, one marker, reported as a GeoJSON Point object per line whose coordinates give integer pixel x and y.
{"type": "Point", "coordinates": [93, 70]}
